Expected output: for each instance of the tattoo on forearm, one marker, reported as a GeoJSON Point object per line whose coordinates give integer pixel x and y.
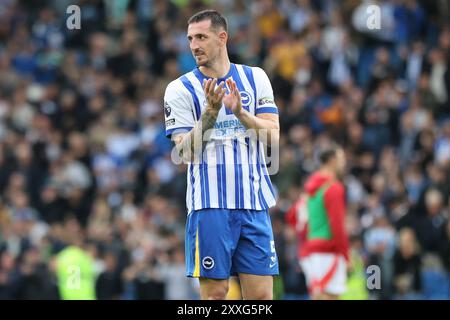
{"type": "Point", "coordinates": [196, 140]}
{"type": "Point", "coordinates": [208, 120]}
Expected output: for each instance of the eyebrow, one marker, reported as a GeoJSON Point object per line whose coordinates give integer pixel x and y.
{"type": "Point", "coordinates": [196, 35]}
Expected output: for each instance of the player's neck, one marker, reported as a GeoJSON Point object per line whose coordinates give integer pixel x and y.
{"type": "Point", "coordinates": [218, 69]}
{"type": "Point", "coordinates": [327, 171]}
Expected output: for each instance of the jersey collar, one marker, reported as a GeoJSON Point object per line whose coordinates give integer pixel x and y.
{"type": "Point", "coordinates": [200, 76]}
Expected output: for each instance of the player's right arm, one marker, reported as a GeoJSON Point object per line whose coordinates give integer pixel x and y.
{"type": "Point", "coordinates": [191, 143]}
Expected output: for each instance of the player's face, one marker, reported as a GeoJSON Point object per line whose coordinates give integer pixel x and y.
{"type": "Point", "coordinates": [340, 163]}
{"type": "Point", "coordinates": [205, 42]}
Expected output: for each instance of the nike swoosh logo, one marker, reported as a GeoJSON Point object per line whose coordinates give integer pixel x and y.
{"type": "Point", "coordinates": [274, 262]}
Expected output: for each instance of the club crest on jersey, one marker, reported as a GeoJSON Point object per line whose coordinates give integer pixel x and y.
{"type": "Point", "coordinates": [246, 98]}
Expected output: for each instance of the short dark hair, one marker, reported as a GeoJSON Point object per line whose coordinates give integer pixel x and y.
{"type": "Point", "coordinates": [327, 153]}
{"type": "Point", "coordinates": [217, 20]}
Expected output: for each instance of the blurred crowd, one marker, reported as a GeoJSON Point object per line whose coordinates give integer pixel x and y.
{"type": "Point", "coordinates": [86, 171]}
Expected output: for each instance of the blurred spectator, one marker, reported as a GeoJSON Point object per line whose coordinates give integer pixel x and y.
{"type": "Point", "coordinates": [172, 272]}
{"type": "Point", "coordinates": [407, 266]}
{"type": "Point", "coordinates": [428, 225]}
{"type": "Point", "coordinates": [10, 278]}
{"type": "Point", "coordinates": [108, 284]}
{"type": "Point", "coordinates": [75, 266]}
{"type": "Point", "coordinates": [380, 243]}
{"type": "Point", "coordinates": [444, 247]}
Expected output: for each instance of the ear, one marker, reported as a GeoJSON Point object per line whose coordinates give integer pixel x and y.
{"type": "Point", "coordinates": [223, 37]}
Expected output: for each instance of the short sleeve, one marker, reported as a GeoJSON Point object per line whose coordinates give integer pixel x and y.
{"type": "Point", "coordinates": [265, 99]}
{"type": "Point", "coordinates": [178, 112]}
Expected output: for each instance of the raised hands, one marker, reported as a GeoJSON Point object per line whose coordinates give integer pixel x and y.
{"type": "Point", "coordinates": [232, 100]}
{"type": "Point", "coordinates": [213, 95]}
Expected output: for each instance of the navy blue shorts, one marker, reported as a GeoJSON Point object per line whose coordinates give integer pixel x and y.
{"type": "Point", "coordinates": [225, 242]}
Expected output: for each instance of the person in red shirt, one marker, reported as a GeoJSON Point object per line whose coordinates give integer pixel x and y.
{"type": "Point", "coordinates": [319, 219]}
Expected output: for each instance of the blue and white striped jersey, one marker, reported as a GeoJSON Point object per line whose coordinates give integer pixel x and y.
{"type": "Point", "coordinates": [233, 172]}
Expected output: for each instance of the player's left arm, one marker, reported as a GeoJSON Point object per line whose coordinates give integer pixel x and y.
{"type": "Point", "coordinates": [265, 121]}
{"type": "Point", "coordinates": [335, 205]}
{"type": "Point", "coordinates": [265, 125]}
